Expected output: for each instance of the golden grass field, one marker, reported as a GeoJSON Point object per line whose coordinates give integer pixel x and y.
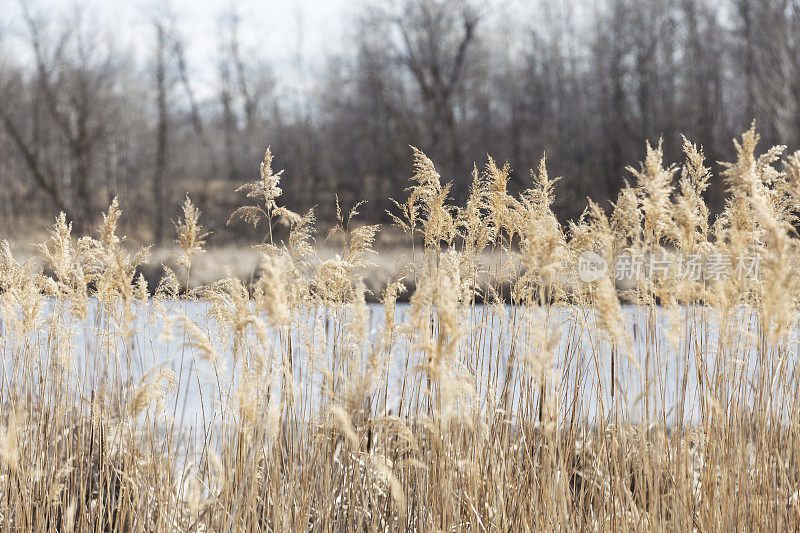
{"type": "Point", "coordinates": [516, 414]}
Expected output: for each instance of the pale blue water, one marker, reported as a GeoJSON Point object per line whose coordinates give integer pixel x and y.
{"type": "Point", "coordinates": [578, 376]}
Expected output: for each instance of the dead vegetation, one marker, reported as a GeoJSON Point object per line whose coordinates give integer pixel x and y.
{"type": "Point", "coordinates": [451, 415]}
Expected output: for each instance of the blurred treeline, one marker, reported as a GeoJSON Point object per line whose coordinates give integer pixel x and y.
{"type": "Point", "coordinates": [586, 82]}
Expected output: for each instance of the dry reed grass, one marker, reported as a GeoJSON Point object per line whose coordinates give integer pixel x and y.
{"type": "Point", "coordinates": [480, 429]}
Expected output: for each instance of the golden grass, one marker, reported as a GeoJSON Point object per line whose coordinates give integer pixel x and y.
{"type": "Point", "coordinates": [521, 414]}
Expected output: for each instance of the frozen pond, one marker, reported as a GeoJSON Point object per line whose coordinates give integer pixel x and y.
{"type": "Point", "coordinates": [523, 351]}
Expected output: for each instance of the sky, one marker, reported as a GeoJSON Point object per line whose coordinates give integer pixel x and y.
{"type": "Point", "coordinates": [278, 23]}
{"type": "Point", "coordinates": [286, 33]}
{"type": "Point", "coordinates": [294, 37]}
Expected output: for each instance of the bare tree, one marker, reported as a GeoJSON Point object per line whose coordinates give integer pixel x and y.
{"type": "Point", "coordinates": [432, 41]}
{"type": "Point", "coordinates": [74, 75]}
{"type": "Point", "coordinates": [243, 89]}
{"type": "Point", "coordinates": [158, 186]}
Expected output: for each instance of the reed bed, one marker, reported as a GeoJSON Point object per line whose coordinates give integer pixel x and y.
{"type": "Point", "coordinates": [511, 393]}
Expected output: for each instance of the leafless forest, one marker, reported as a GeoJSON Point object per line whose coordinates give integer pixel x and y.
{"type": "Point", "coordinates": [81, 123]}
